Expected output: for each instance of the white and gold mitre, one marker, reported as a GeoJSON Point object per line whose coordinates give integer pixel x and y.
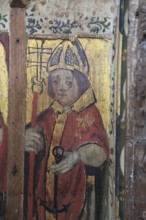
{"type": "Point", "coordinates": [69, 55]}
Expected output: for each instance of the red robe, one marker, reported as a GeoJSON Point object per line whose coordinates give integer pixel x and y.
{"type": "Point", "coordinates": [81, 127]}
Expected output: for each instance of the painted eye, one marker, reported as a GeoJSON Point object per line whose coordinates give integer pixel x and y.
{"type": "Point", "coordinates": [55, 81]}
{"type": "Point", "coordinates": [69, 83]}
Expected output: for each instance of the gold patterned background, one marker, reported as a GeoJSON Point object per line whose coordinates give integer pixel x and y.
{"type": "Point", "coordinates": [98, 55]}
{"type": "Point", "coordinates": [3, 84]}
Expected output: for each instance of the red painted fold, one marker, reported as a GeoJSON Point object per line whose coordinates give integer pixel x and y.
{"type": "Point", "coordinates": [30, 198]}
{"type": "Point", "coordinates": [80, 128]}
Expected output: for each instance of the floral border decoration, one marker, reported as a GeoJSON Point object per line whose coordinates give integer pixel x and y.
{"type": "Point", "coordinates": [40, 25]}
{"type": "Point", "coordinates": [58, 26]}
{"type": "Point", "coordinates": [95, 25]}
{"type": "Point", "coordinates": [3, 20]}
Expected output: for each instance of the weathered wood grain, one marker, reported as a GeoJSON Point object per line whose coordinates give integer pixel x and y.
{"type": "Point", "coordinates": [130, 111]}
{"type": "Point", "coordinates": [140, 123]}
{"type": "Point", "coordinates": [16, 114]}
{"type": "Point", "coordinates": [135, 201]}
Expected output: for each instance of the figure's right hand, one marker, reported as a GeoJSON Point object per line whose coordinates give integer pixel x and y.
{"type": "Point", "coordinates": [1, 135]}
{"type": "Point", "coordinates": [33, 139]}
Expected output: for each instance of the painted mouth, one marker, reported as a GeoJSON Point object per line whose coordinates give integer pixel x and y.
{"type": "Point", "coordinates": [62, 95]}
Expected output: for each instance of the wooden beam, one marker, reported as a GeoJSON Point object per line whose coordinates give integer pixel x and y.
{"type": "Point", "coordinates": [16, 114]}
{"type": "Point", "coordinates": [130, 111]}
{"type": "Point", "coordinates": [140, 119]}
{"type": "Point", "coordinates": [135, 201]}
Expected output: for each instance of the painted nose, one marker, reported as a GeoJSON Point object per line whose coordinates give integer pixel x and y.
{"type": "Point", "coordinates": [62, 86]}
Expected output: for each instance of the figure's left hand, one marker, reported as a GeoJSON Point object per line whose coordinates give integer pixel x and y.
{"type": "Point", "coordinates": [71, 158]}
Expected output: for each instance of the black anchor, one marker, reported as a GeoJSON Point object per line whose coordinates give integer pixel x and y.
{"type": "Point", "coordinates": [58, 154]}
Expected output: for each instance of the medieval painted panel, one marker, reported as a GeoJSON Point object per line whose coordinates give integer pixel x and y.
{"type": "Point", "coordinates": [67, 131]}
{"type": "Point", "coordinates": [71, 108]}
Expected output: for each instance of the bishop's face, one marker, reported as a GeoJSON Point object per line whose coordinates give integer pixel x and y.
{"type": "Point", "coordinates": [64, 87]}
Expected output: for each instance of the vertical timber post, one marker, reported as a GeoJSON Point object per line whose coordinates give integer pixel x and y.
{"type": "Point", "coordinates": [135, 203]}
{"type": "Point", "coordinates": [130, 111]}
{"type": "Point", "coordinates": [16, 111]}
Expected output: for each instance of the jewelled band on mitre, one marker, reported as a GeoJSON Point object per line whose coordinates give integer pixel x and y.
{"type": "Point", "coordinates": [69, 55]}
